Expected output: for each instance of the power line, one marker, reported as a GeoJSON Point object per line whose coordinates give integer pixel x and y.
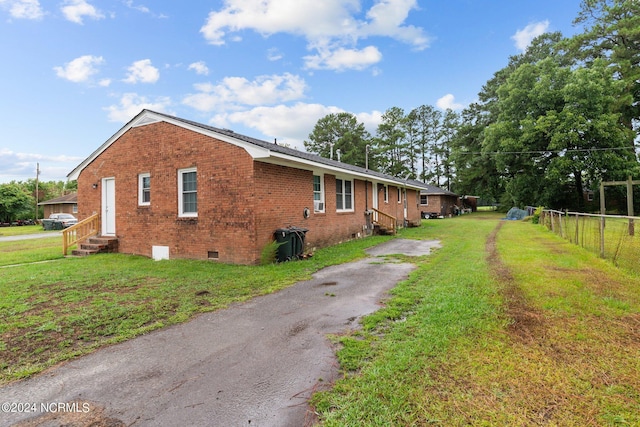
{"type": "Point", "coordinates": [571, 150]}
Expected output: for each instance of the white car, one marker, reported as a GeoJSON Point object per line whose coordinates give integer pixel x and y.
{"type": "Point", "coordinates": [66, 219]}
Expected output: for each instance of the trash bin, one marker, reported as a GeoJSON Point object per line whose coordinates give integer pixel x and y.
{"type": "Point", "coordinates": [290, 243]}
{"type": "Point", "coordinates": [57, 225]}
{"type": "Point", "coordinates": [47, 224]}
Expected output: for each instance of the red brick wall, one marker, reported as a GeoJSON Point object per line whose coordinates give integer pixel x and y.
{"type": "Point", "coordinates": [283, 193]}
{"type": "Point", "coordinates": [225, 222]}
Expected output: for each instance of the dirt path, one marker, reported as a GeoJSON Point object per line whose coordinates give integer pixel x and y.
{"type": "Point", "coordinates": [255, 363]}
{"type": "Point", "coordinates": [526, 323]}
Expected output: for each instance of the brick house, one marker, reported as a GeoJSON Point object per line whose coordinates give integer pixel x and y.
{"type": "Point", "coordinates": [437, 202]}
{"type": "Point", "coordinates": [169, 187]}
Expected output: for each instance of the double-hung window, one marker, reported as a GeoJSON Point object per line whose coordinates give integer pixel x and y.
{"type": "Point", "coordinates": [144, 189]}
{"type": "Point", "coordinates": [344, 195]}
{"type": "Point", "coordinates": [187, 193]}
{"type": "Point", "coordinates": [318, 193]}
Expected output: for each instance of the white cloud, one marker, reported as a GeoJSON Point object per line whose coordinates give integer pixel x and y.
{"type": "Point", "coordinates": [76, 10]}
{"type": "Point", "coordinates": [386, 18]}
{"type": "Point", "coordinates": [80, 69]}
{"type": "Point", "coordinates": [447, 102]}
{"type": "Point", "coordinates": [142, 72]}
{"type": "Point", "coordinates": [524, 37]}
{"type": "Point", "coordinates": [342, 59]}
{"type": "Point", "coordinates": [22, 166]}
{"type": "Point", "coordinates": [274, 54]}
{"type": "Point", "coordinates": [132, 103]}
{"type": "Point", "coordinates": [235, 91]}
{"type": "Point", "coordinates": [200, 68]}
{"type": "Point", "coordinates": [23, 9]}
{"type": "Point", "coordinates": [275, 122]}
{"type": "Point", "coordinates": [139, 8]}
{"type": "Point", "coordinates": [327, 24]}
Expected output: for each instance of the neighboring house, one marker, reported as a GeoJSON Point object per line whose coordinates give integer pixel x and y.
{"type": "Point", "coordinates": [63, 204]}
{"type": "Point", "coordinates": [169, 187]}
{"type": "Point", "coordinates": [436, 202]}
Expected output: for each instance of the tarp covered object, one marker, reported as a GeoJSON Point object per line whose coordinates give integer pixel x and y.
{"type": "Point", "coordinates": [516, 214]}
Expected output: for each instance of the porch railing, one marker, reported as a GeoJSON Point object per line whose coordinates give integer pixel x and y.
{"type": "Point", "coordinates": [81, 231]}
{"type": "Point", "coordinates": [384, 220]}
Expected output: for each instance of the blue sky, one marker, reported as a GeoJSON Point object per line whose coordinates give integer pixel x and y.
{"type": "Point", "coordinates": [75, 71]}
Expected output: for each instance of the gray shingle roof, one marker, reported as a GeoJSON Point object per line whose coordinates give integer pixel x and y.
{"type": "Point", "coordinates": [272, 146]}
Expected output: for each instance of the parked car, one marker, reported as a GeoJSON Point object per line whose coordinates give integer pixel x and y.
{"type": "Point", "coordinates": [66, 219]}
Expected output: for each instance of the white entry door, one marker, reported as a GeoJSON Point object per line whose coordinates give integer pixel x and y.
{"type": "Point", "coordinates": [108, 206]}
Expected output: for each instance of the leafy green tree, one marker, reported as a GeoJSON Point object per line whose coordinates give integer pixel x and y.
{"type": "Point", "coordinates": [557, 131]}
{"type": "Point", "coordinates": [613, 33]}
{"type": "Point", "coordinates": [476, 172]}
{"type": "Point", "coordinates": [341, 131]}
{"type": "Point", "coordinates": [15, 203]}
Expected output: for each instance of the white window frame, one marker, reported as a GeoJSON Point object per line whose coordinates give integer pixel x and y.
{"type": "Point", "coordinates": [141, 189]}
{"type": "Point", "coordinates": [386, 193]}
{"type": "Point", "coordinates": [181, 213]}
{"type": "Point", "coordinates": [343, 195]}
{"type": "Point", "coordinates": [318, 204]}
{"type": "Point", "coordinates": [399, 194]}
{"type": "Point", "coordinates": [426, 198]}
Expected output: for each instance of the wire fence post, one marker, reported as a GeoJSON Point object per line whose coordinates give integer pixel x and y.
{"type": "Point", "coordinates": [603, 212]}
{"type": "Point", "coordinates": [630, 205]}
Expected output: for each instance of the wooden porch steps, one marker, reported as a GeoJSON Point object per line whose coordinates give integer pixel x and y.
{"type": "Point", "coordinates": [97, 245]}
{"type": "Point", "coordinates": [381, 230]}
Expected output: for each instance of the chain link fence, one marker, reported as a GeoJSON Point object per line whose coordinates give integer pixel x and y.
{"type": "Point", "coordinates": [612, 237]}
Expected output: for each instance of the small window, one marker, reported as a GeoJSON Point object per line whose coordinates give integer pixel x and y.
{"type": "Point", "coordinates": [344, 195]}
{"type": "Point", "coordinates": [424, 199]}
{"type": "Point", "coordinates": [187, 193]}
{"type": "Point", "coordinates": [74, 209]}
{"type": "Point", "coordinates": [386, 194]}
{"type": "Point", "coordinates": [399, 195]}
{"type": "Point", "coordinates": [318, 194]}
{"type": "Point", "coordinates": [144, 189]}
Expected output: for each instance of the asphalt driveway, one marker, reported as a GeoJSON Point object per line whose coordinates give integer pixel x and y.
{"type": "Point", "coordinates": [253, 364]}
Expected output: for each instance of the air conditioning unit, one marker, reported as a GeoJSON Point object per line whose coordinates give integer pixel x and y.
{"type": "Point", "coordinates": [318, 206]}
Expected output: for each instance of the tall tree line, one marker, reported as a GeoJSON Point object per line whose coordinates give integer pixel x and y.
{"type": "Point", "coordinates": [413, 145]}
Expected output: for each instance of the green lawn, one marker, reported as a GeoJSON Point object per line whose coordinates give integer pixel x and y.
{"type": "Point", "coordinates": [31, 250]}
{"type": "Point", "coordinates": [25, 229]}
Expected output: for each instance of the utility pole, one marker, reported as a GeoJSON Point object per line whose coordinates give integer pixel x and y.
{"type": "Point", "coordinates": [37, 189]}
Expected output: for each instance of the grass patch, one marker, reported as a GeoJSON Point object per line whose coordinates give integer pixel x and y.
{"type": "Point", "coordinates": [31, 250]}
{"type": "Point", "coordinates": [24, 229]}
{"type": "Point", "coordinates": [68, 307]}
{"type": "Point", "coordinates": [516, 327]}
